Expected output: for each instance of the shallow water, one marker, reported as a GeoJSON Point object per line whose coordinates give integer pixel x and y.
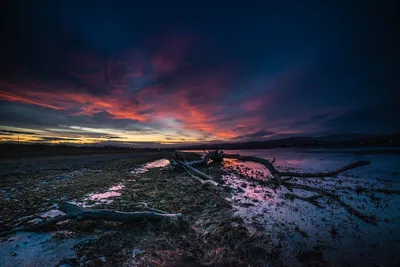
{"type": "Point", "coordinates": [298, 225]}
{"type": "Point", "coordinates": [106, 197]}
{"type": "Point", "coordinates": [48, 249]}
{"type": "Point", "coordinates": [161, 163]}
{"type": "Point", "coordinates": [36, 249]}
{"type": "Point", "coordinates": [95, 199]}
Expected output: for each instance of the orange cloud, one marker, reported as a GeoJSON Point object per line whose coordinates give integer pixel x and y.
{"type": "Point", "coordinates": [21, 99]}
{"type": "Point", "coordinates": [125, 87]}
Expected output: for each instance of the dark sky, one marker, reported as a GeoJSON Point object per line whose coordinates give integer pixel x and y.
{"type": "Point", "coordinates": [117, 71]}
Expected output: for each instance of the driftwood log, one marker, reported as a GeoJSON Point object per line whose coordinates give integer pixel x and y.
{"type": "Point", "coordinates": [281, 179]}
{"type": "Point", "coordinates": [74, 212]}
{"type": "Point", "coordinates": [278, 174]}
{"type": "Point", "coordinates": [199, 176]}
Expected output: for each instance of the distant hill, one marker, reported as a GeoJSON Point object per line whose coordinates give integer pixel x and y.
{"type": "Point", "coordinates": [337, 140]}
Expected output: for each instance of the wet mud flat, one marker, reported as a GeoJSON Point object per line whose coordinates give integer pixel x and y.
{"type": "Point", "coordinates": [210, 233]}
{"type": "Point", "coordinates": [245, 224]}
{"type": "Point", "coordinates": [323, 235]}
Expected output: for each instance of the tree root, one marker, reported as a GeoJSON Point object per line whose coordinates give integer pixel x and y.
{"type": "Point", "coordinates": [326, 174]}
{"type": "Point", "coordinates": [321, 193]}
{"type": "Point", "coordinates": [277, 175]}
{"type": "Point", "coordinates": [311, 199]}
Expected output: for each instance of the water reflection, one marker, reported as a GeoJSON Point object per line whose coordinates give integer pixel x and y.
{"type": "Point", "coordinates": [161, 163]}
{"type": "Point", "coordinates": [249, 169]}
{"type": "Point", "coordinates": [104, 195]}
{"type": "Point", "coordinates": [36, 249]}
{"type": "Point", "coordinates": [95, 199]}
{"type": "Point", "coordinates": [298, 225]}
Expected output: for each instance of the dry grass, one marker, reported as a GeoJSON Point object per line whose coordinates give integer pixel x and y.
{"type": "Point", "coordinates": [209, 234]}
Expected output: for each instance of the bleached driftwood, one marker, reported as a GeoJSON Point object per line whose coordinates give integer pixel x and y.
{"type": "Point", "coordinates": [278, 174]}
{"type": "Point", "coordinates": [208, 180]}
{"type": "Point", "coordinates": [192, 171]}
{"type": "Point", "coordinates": [74, 212]}
{"type": "Point", "coordinates": [288, 176]}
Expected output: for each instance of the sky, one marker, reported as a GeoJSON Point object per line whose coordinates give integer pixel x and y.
{"type": "Point", "coordinates": [118, 72]}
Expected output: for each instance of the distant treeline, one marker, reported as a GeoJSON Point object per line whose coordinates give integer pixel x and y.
{"type": "Point", "coordinates": [339, 140]}
{"type": "Point", "coordinates": [12, 150]}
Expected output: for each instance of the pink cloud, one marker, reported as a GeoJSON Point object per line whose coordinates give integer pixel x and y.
{"type": "Point", "coordinates": [194, 101]}
{"type": "Point", "coordinates": [170, 55]}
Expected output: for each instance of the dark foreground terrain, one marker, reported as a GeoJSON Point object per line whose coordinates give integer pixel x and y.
{"type": "Point", "coordinates": [243, 223]}
{"type": "Point", "coordinates": [209, 234]}
{"type": "Point", "coordinates": [19, 151]}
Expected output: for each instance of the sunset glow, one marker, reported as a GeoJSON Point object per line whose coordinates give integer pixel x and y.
{"type": "Point", "coordinates": [191, 83]}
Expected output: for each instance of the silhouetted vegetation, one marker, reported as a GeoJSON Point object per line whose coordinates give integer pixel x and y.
{"type": "Point", "coordinates": [331, 141]}
{"type": "Point", "coordinates": [8, 151]}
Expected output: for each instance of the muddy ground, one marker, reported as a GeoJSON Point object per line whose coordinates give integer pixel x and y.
{"type": "Point", "coordinates": [244, 224]}
{"type": "Point", "coordinates": [209, 235]}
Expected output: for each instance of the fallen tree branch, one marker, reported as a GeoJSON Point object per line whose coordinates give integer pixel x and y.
{"type": "Point", "coordinates": [311, 189]}
{"type": "Point", "coordinates": [146, 206]}
{"type": "Point", "coordinates": [289, 176]}
{"type": "Point", "coordinates": [216, 156]}
{"type": "Point", "coordinates": [275, 173]}
{"type": "Point", "coordinates": [366, 218]}
{"type": "Point", "coordinates": [193, 172]}
{"type": "Point", "coordinates": [38, 226]}
{"type": "Point", "coordinates": [74, 212]}
{"type": "Point", "coordinates": [202, 182]}
{"type": "Point", "coordinates": [204, 160]}
{"type": "Point", "coordinates": [278, 174]}
{"type": "Point", "coordinates": [326, 174]}
{"type": "Point", "coordinates": [310, 199]}
{"type": "Point", "coordinates": [320, 192]}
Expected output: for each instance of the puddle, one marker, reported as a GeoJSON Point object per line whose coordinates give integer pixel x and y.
{"type": "Point", "coordinates": [249, 169]}
{"type": "Point", "coordinates": [161, 163]}
{"type": "Point", "coordinates": [298, 225]}
{"type": "Point", "coordinates": [104, 195]}
{"type": "Point", "coordinates": [95, 199]}
{"type": "Point", "coordinates": [36, 249]}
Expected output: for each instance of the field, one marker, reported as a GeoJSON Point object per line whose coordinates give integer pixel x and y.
{"type": "Point", "coordinates": [32, 189]}
{"type": "Point", "coordinates": [243, 224]}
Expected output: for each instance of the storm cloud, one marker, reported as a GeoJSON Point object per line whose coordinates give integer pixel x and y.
{"type": "Point", "coordinates": [111, 72]}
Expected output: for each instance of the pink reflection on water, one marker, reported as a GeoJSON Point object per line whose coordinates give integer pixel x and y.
{"type": "Point", "coordinates": [161, 163]}
{"type": "Point", "coordinates": [116, 187]}
{"type": "Point", "coordinates": [157, 164]}
{"type": "Point", "coordinates": [110, 193]}
{"type": "Point", "coordinates": [245, 189]}
{"type": "Point", "coordinates": [250, 169]}
{"type": "Point", "coordinates": [255, 193]}
{"type": "Point", "coordinates": [104, 195]}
